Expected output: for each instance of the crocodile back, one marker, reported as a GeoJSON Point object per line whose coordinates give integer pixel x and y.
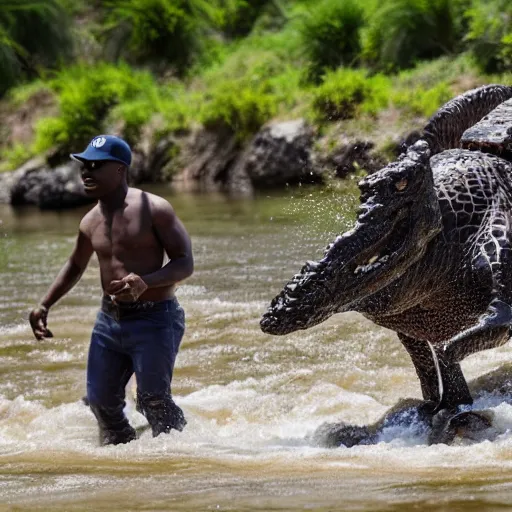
{"type": "Point", "coordinates": [471, 187]}
{"type": "Point", "coordinates": [445, 128]}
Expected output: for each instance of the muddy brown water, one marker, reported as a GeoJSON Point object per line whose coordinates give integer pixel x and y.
{"type": "Point", "coordinates": [250, 399]}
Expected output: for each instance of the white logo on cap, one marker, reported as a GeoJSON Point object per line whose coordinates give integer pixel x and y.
{"type": "Point", "coordinates": [98, 142]}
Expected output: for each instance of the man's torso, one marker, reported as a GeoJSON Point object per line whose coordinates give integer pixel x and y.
{"type": "Point", "coordinates": [125, 241]}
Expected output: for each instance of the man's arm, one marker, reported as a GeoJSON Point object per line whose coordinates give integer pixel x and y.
{"type": "Point", "coordinates": [176, 242]}
{"type": "Point", "coordinates": [68, 276]}
{"type": "Point", "coordinates": [71, 272]}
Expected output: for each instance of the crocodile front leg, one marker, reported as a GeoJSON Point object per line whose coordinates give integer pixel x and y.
{"type": "Point", "coordinates": [491, 331]}
{"type": "Point", "coordinates": [442, 381]}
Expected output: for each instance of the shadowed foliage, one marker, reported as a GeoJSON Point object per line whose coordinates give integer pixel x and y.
{"type": "Point", "coordinates": [330, 33]}
{"type": "Point", "coordinates": [159, 31]}
{"type": "Point", "coordinates": [401, 32]}
{"type": "Point", "coordinates": [34, 34]}
{"type": "Point", "coordinates": [490, 34]}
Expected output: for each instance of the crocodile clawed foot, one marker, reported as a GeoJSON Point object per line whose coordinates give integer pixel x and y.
{"type": "Point", "coordinates": [466, 425]}
{"type": "Point", "coordinates": [419, 418]}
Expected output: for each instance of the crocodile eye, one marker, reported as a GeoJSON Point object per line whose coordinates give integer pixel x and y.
{"type": "Point", "coordinates": [401, 185]}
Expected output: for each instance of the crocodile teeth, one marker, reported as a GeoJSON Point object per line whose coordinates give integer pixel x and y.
{"type": "Point", "coordinates": [373, 263]}
{"type": "Point", "coordinates": [366, 268]}
{"type": "Point", "coordinates": [312, 265]}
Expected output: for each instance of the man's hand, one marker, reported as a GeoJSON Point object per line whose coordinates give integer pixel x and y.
{"type": "Point", "coordinates": [128, 289]}
{"type": "Point", "coordinates": [38, 322]}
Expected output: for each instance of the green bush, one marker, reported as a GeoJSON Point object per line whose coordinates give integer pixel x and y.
{"type": "Point", "coordinates": [10, 65]}
{"type": "Point", "coordinates": [330, 35]}
{"type": "Point", "coordinates": [238, 16]}
{"type": "Point", "coordinates": [159, 31]}
{"type": "Point", "coordinates": [22, 93]}
{"type": "Point", "coordinates": [490, 34]}
{"type": "Point", "coordinates": [345, 93]}
{"type": "Point", "coordinates": [402, 32]}
{"type": "Point", "coordinates": [85, 97]}
{"type": "Point", "coordinates": [176, 108]}
{"type": "Point", "coordinates": [250, 87]}
{"type": "Point", "coordinates": [242, 109]}
{"type": "Point", "coordinates": [180, 111]}
{"type": "Point", "coordinates": [33, 34]}
{"type": "Point", "coordinates": [428, 74]}
{"type": "Point", "coordinates": [253, 58]}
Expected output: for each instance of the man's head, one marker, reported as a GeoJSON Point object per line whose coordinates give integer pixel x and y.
{"type": "Point", "coordinates": [104, 164]}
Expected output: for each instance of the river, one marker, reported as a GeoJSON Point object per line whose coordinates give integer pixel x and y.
{"type": "Point", "coordinates": [250, 399]}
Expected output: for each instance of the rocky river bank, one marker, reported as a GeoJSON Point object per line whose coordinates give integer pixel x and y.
{"type": "Point", "coordinates": [282, 153]}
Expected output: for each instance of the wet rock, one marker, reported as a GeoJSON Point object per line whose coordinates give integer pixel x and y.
{"type": "Point", "coordinates": [151, 156]}
{"type": "Point", "coordinates": [334, 435]}
{"type": "Point", "coordinates": [9, 179]}
{"type": "Point", "coordinates": [278, 155]}
{"type": "Point", "coordinates": [206, 157]}
{"type": "Point", "coordinates": [497, 383]}
{"type": "Point", "coordinates": [36, 184]}
{"type": "Point", "coordinates": [408, 412]}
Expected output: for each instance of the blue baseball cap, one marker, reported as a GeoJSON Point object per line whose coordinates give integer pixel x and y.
{"type": "Point", "coordinates": [106, 147]}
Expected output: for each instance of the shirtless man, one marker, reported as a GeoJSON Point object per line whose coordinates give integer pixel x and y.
{"type": "Point", "coordinates": [140, 324]}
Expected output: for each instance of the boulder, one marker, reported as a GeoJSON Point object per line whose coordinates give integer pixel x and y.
{"type": "Point", "coordinates": [35, 183]}
{"type": "Point", "coordinates": [206, 158]}
{"type": "Point", "coordinates": [279, 154]}
{"type": "Point", "coordinates": [151, 156]}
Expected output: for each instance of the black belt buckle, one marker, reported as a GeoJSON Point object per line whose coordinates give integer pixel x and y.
{"type": "Point", "coordinates": [119, 311]}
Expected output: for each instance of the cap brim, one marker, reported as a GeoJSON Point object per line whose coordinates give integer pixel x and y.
{"type": "Point", "coordinates": [90, 153]}
{"type": "Point", "coordinates": [94, 156]}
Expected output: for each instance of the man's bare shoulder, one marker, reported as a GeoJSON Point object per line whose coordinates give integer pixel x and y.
{"type": "Point", "coordinates": [90, 219]}
{"type": "Point", "coordinates": [157, 204]}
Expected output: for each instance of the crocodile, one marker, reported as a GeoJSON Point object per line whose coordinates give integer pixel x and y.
{"type": "Point", "coordinates": [430, 254]}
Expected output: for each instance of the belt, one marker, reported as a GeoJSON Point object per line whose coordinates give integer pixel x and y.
{"type": "Point", "coordinates": [120, 310]}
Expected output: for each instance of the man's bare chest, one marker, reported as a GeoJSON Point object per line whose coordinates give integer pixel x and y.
{"type": "Point", "coordinates": [121, 234]}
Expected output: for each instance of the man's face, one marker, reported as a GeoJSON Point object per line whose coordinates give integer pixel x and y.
{"type": "Point", "coordinates": [101, 177]}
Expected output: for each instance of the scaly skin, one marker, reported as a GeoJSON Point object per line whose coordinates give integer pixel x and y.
{"type": "Point", "coordinates": [429, 256]}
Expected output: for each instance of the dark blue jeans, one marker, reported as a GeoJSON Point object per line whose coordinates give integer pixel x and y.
{"type": "Point", "coordinates": [143, 339]}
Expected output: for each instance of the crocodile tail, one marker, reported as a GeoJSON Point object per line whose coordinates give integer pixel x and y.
{"type": "Point", "coordinates": [446, 126]}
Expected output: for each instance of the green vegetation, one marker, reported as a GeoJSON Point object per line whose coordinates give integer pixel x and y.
{"type": "Point", "coordinates": [33, 34]}
{"type": "Point", "coordinates": [346, 93]}
{"type": "Point", "coordinates": [85, 97]}
{"type": "Point", "coordinates": [331, 35]}
{"type": "Point", "coordinates": [248, 88]}
{"type": "Point", "coordinates": [490, 34]}
{"type": "Point", "coordinates": [403, 32]}
{"type": "Point", "coordinates": [152, 31]}
{"type": "Point", "coordinates": [117, 65]}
